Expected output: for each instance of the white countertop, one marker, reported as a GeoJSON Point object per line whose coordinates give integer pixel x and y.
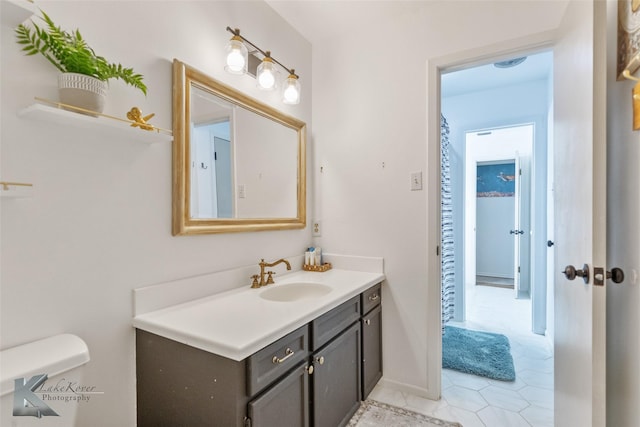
{"type": "Point", "coordinates": [237, 323]}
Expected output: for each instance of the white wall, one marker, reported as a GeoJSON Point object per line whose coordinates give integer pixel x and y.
{"type": "Point", "coordinates": [370, 129]}
{"type": "Point", "coordinates": [99, 224]}
{"type": "Point", "coordinates": [623, 245]}
{"type": "Point", "coordinates": [268, 171]}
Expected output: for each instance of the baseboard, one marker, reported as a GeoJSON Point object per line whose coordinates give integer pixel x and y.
{"type": "Point", "coordinates": [495, 280]}
{"type": "Point", "coordinates": [411, 389]}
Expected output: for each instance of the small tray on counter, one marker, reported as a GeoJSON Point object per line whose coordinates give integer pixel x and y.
{"type": "Point", "coordinates": [321, 268]}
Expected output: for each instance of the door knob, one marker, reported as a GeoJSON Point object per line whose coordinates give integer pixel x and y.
{"type": "Point", "coordinates": [571, 273]}
{"type": "Point", "coordinates": [516, 232]}
{"type": "Point", "coordinates": [616, 275]}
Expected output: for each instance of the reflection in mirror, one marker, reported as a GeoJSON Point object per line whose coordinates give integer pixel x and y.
{"type": "Point", "coordinates": [238, 164]}
{"type": "Point", "coordinates": [211, 158]}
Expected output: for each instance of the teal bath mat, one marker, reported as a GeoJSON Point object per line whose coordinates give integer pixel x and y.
{"type": "Point", "coordinates": [479, 353]}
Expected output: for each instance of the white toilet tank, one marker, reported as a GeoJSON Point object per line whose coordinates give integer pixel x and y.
{"type": "Point", "coordinates": [41, 382]}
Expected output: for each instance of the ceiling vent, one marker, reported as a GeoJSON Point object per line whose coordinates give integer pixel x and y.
{"type": "Point", "coordinates": [510, 62]}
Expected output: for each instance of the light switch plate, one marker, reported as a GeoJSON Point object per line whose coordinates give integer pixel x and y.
{"type": "Point", "coordinates": [241, 191]}
{"type": "Point", "coordinates": [416, 181]}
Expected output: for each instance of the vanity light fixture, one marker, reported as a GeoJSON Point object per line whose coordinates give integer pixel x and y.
{"type": "Point", "coordinates": [266, 74]}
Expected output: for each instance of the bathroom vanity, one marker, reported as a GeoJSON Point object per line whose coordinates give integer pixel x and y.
{"type": "Point", "coordinates": [304, 352]}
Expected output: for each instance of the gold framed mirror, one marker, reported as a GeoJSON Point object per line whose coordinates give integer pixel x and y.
{"type": "Point", "coordinates": [238, 164]}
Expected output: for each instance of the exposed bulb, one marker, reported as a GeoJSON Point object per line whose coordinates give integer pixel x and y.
{"type": "Point", "coordinates": [291, 94]}
{"type": "Point", "coordinates": [267, 80]}
{"type": "Point", "coordinates": [235, 61]}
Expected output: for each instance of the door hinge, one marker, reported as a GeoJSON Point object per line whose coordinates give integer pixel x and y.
{"type": "Point", "coordinates": [247, 422]}
{"type": "Point", "coordinates": [518, 269]}
{"type": "Point", "coordinates": [438, 250]}
{"type": "Point", "coordinates": [520, 172]}
{"type": "Point", "coordinates": [215, 155]}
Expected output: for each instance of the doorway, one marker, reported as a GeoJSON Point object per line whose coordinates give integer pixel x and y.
{"type": "Point", "coordinates": [499, 130]}
{"type": "Point", "coordinates": [497, 208]}
{"type": "Point", "coordinates": [211, 170]}
{"type": "Point", "coordinates": [482, 104]}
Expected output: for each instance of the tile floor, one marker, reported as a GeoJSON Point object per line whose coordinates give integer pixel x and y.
{"type": "Point", "coordinates": [480, 402]}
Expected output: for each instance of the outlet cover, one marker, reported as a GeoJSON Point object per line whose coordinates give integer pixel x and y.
{"type": "Point", "coordinates": [416, 181]}
{"type": "Point", "coordinates": [316, 228]}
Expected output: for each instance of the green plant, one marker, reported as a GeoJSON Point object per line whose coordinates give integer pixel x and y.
{"type": "Point", "coordinates": [69, 53]}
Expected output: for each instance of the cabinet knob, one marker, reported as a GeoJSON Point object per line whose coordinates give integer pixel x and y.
{"type": "Point", "coordinates": [374, 297]}
{"type": "Point", "coordinates": [320, 360]}
{"type": "Point", "coordinates": [309, 369]}
{"type": "Point", "coordinates": [367, 322]}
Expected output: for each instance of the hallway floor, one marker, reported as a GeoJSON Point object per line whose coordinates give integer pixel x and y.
{"type": "Point", "coordinates": [480, 402]}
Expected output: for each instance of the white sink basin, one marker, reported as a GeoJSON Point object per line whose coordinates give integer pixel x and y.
{"type": "Point", "coordinates": [294, 291]}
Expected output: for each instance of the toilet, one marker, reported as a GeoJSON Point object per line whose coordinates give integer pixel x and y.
{"type": "Point", "coordinates": [41, 382]}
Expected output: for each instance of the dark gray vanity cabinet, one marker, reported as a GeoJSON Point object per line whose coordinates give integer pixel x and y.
{"type": "Point", "coordinates": [312, 377]}
{"type": "Point", "coordinates": [371, 339]}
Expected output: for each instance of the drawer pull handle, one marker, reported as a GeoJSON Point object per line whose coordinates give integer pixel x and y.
{"type": "Point", "coordinates": [374, 297]}
{"type": "Point", "coordinates": [288, 352]}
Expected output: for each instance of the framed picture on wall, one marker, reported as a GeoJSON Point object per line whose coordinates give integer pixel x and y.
{"type": "Point", "coordinates": [496, 179]}
{"type": "Point", "coordinates": [628, 36]}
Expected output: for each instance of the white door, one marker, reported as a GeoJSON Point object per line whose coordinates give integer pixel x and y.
{"type": "Point", "coordinates": [580, 222]}
{"type": "Point", "coordinates": [224, 177]}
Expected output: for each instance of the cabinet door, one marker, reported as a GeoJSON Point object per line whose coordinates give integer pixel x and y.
{"type": "Point", "coordinates": [336, 380]}
{"type": "Point", "coordinates": [371, 350]}
{"type": "Point", "coordinates": [284, 404]}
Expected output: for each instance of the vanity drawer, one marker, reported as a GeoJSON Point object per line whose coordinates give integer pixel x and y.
{"type": "Point", "coordinates": [273, 361]}
{"type": "Point", "coordinates": [330, 324]}
{"type": "Point", "coordinates": [371, 298]}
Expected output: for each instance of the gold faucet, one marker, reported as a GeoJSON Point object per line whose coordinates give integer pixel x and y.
{"type": "Point", "coordinates": [262, 281]}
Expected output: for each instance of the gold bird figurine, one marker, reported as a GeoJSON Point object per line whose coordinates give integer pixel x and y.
{"type": "Point", "coordinates": [136, 115]}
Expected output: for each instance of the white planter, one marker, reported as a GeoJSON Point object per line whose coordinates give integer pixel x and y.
{"type": "Point", "coordinates": [82, 91]}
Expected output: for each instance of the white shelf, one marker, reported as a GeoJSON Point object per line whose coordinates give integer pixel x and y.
{"type": "Point", "coordinates": [15, 12]}
{"type": "Point", "coordinates": [12, 191]}
{"type": "Point", "coordinates": [106, 125]}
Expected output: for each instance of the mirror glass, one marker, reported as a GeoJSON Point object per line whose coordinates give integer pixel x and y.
{"type": "Point", "coordinates": [238, 164]}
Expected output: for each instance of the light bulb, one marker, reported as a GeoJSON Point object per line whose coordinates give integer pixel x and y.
{"type": "Point", "coordinates": [235, 60]}
{"type": "Point", "coordinates": [237, 56]}
{"type": "Point", "coordinates": [290, 94]}
{"type": "Point", "coordinates": [291, 90]}
{"type": "Point", "coordinates": [266, 80]}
